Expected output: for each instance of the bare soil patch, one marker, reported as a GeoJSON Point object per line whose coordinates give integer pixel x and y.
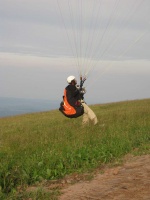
{"type": "Point", "coordinates": [131, 181]}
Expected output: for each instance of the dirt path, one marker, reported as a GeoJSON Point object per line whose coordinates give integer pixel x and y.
{"type": "Point", "coordinates": [131, 181]}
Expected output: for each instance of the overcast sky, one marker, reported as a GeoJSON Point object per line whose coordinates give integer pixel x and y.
{"type": "Point", "coordinates": [38, 48]}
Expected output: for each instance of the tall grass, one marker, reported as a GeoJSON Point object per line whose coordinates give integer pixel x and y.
{"type": "Point", "coordinates": [39, 146]}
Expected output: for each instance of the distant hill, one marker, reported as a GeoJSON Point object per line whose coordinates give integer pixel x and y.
{"type": "Point", "coordinates": [16, 106]}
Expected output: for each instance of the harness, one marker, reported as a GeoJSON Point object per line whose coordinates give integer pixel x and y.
{"type": "Point", "coordinates": [68, 109]}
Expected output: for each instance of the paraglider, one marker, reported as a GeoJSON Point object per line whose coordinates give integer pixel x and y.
{"type": "Point", "coordinates": [73, 104]}
{"type": "Point", "coordinates": [98, 31]}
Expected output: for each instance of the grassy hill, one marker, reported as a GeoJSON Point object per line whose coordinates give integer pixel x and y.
{"type": "Point", "coordinates": [48, 146]}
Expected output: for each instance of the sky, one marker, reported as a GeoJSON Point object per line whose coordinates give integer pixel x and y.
{"type": "Point", "coordinates": [42, 42]}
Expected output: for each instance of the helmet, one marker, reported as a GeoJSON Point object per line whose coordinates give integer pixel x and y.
{"type": "Point", "coordinates": [70, 78]}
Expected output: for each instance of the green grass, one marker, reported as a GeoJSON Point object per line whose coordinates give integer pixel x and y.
{"type": "Point", "coordinates": [39, 146]}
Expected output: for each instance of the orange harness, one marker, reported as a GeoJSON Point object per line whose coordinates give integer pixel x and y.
{"type": "Point", "coordinates": [68, 109]}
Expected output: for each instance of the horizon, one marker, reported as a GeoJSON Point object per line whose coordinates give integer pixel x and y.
{"type": "Point", "coordinates": [18, 106]}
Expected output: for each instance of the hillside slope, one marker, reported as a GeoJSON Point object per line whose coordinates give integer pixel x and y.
{"type": "Point", "coordinates": [48, 146]}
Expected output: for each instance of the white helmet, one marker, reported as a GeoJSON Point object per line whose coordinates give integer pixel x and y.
{"type": "Point", "coordinates": [70, 78]}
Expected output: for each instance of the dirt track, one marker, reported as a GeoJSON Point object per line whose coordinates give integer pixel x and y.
{"type": "Point", "coordinates": [131, 181]}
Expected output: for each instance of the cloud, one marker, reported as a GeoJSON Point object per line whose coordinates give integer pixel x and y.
{"type": "Point", "coordinates": [37, 52]}
{"type": "Point", "coordinates": [37, 27]}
